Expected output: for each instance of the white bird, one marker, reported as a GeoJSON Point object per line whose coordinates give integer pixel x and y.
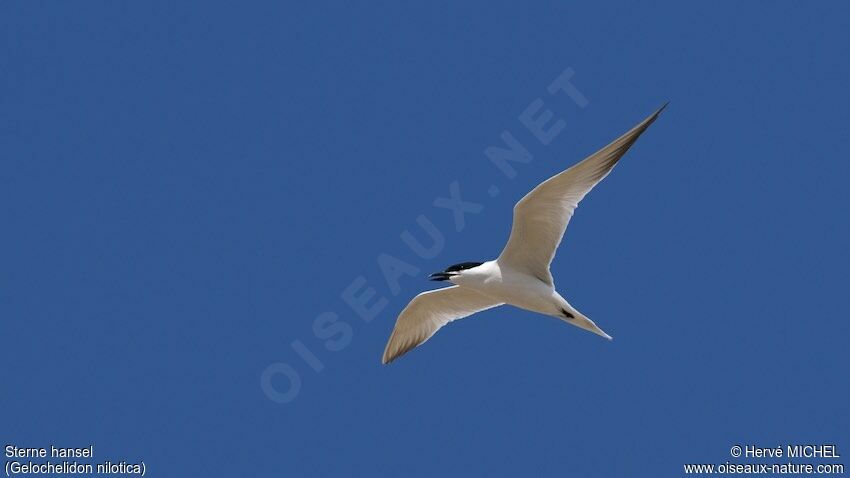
{"type": "Point", "coordinates": [520, 276]}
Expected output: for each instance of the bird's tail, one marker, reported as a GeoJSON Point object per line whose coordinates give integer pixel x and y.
{"type": "Point", "coordinates": [574, 317]}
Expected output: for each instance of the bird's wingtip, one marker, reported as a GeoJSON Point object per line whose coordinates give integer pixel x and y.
{"type": "Point", "coordinates": [651, 118]}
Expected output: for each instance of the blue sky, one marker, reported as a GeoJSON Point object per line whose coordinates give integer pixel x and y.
{"type": "Point", "coordinates": [189, 190]}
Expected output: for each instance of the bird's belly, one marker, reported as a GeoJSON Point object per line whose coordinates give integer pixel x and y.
{"type": "Point", "coordinates": [525, 294]}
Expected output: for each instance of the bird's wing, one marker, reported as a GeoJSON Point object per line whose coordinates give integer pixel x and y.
{"type": "Point", "coordinates": [541, 217]}
{"type": "Point", "coordinates": [429, 311]}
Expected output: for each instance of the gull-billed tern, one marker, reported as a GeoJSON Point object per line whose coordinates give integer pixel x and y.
{"type": "Point", "coordinates": [520, 276]}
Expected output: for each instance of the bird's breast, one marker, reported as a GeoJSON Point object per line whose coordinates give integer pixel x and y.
{"type": "Point", "coordinates": [521, 291]}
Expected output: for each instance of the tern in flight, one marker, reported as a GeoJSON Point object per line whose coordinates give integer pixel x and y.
{"type": "Point", "coordinates": [520, 276]}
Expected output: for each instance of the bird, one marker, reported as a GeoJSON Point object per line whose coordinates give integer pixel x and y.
{"type": "Point", "coordinates": [521, 275]}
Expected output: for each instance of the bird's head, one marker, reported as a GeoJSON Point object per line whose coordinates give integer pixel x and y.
{"type": "Point", "coordinates": [454, 270]}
